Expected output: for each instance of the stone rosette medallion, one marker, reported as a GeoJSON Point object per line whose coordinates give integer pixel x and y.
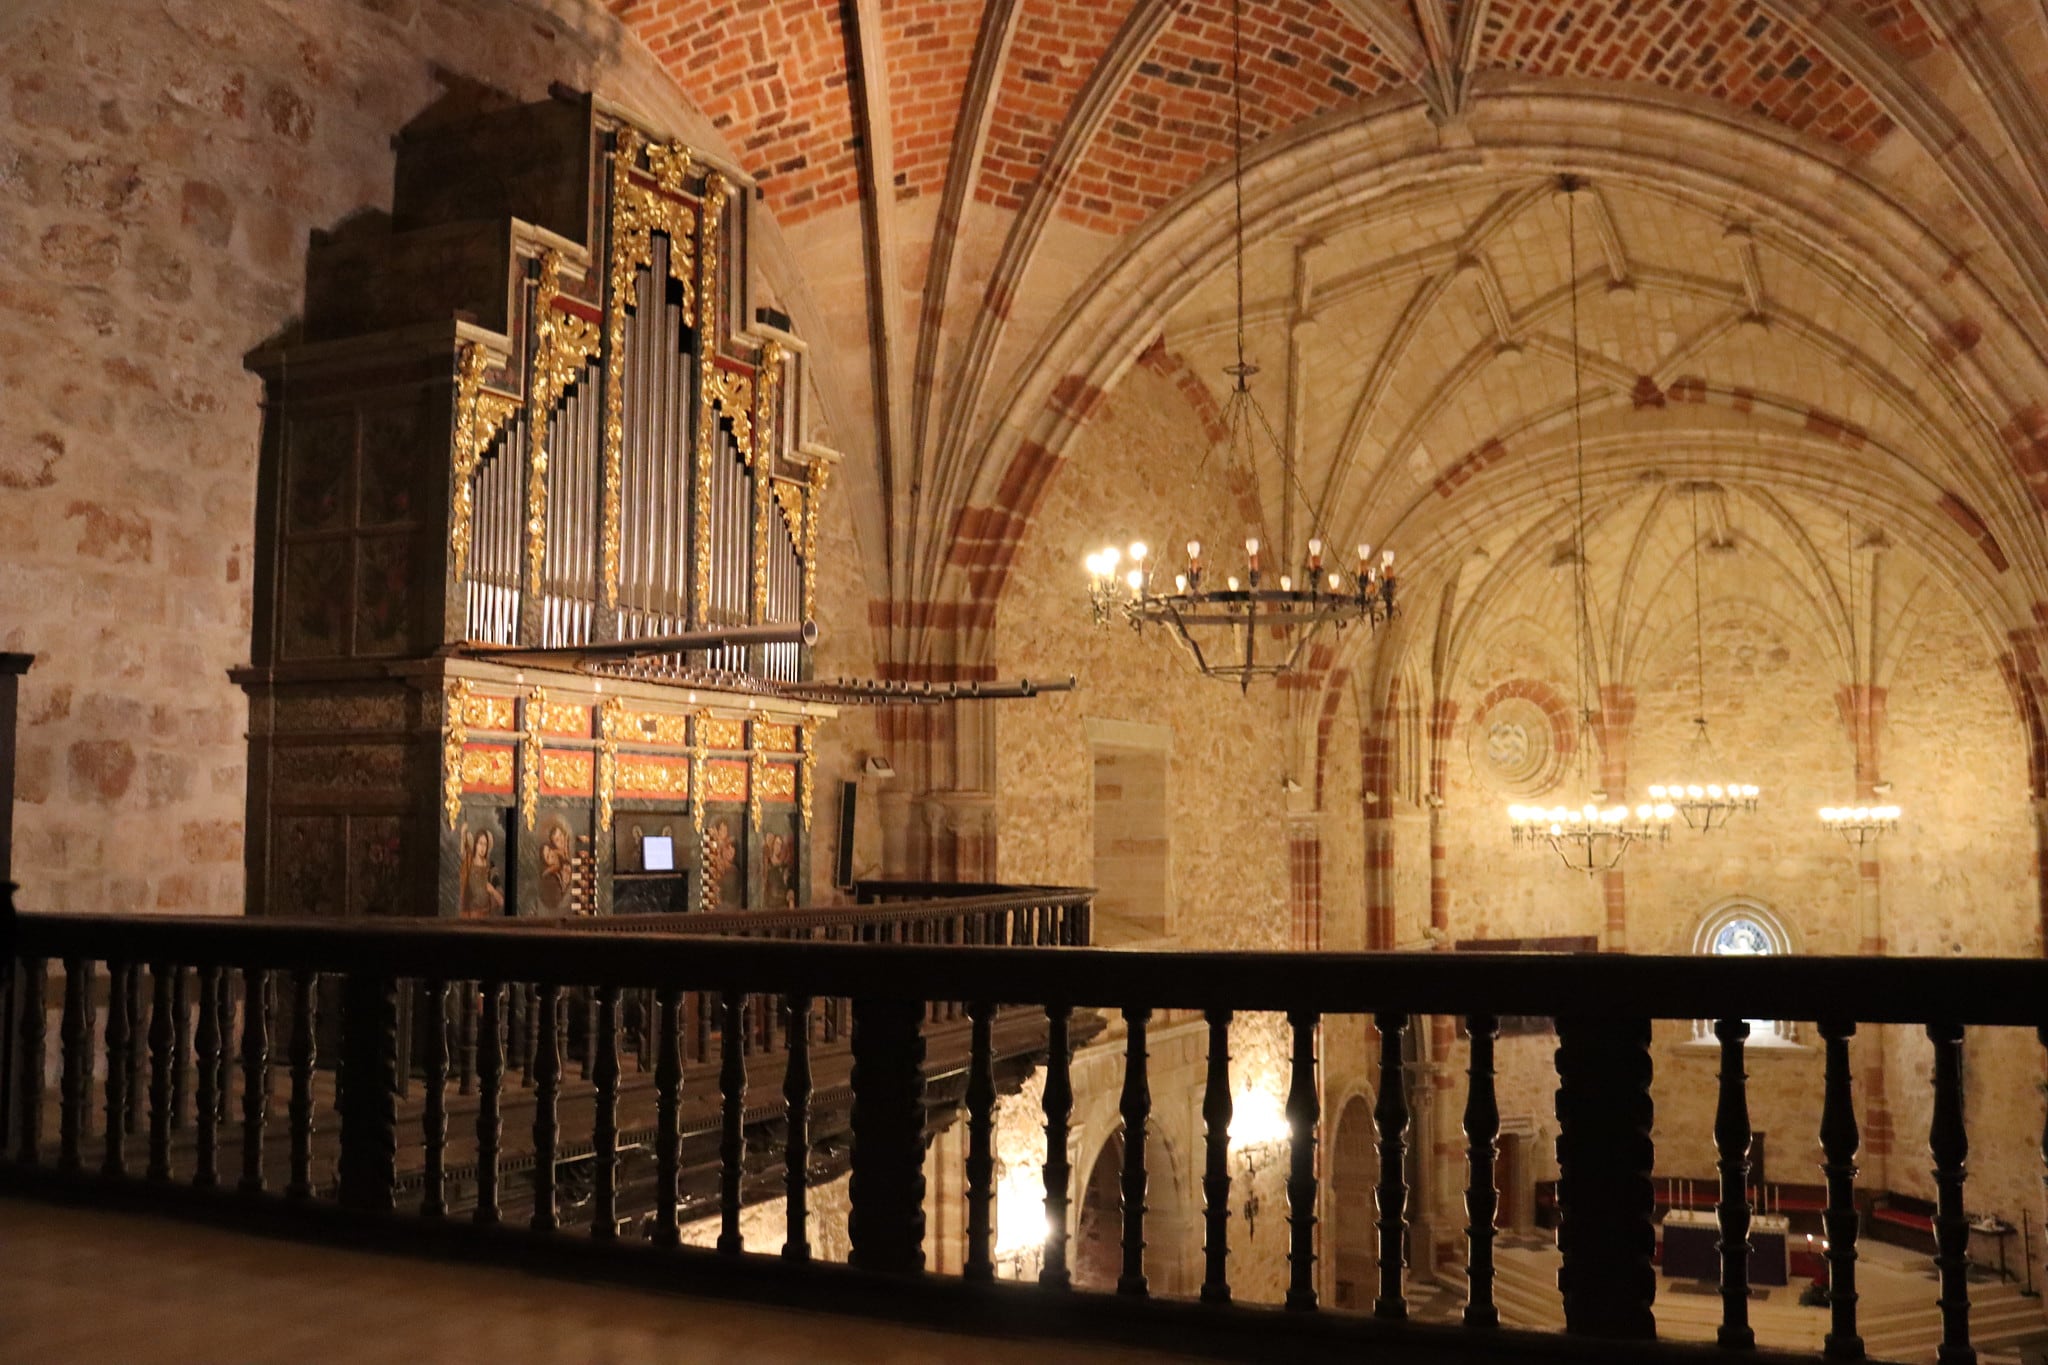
{"type": "Point", "coordinates": [1515, 747]}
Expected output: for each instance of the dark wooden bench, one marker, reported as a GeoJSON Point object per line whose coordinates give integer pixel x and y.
{"type": "Point", "coordinates": [1901, 1220]}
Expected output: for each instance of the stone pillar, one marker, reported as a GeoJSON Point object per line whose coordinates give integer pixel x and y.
{"type": "Point", "coordinates": [1862, 709]}
{"type": "Point", "coordinates": [1612, 727]}
{"type": "Point", "coordinates": [1375, 756]}
{"type": "Point", "coordinates": [1305, 882]}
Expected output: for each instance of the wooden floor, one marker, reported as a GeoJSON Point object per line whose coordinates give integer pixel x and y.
{"type": "Point", "coordinates": [79, 1286]}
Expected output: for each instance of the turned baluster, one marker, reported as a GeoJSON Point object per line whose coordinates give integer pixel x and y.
{"type": "Point", "coordinates": [1839, 1140]}
{"type": "Point", "coordinates": [162, 1029]}
{"type": "Point", "coordinates": [796, 1151]}
{"type": "Point", "coordinates": [434, 1116]}
{"type": "Point", "coordinates": [1136, 1106]}
{"type": "Point", "coordinates": [547, 1093]}
{"type": "Point", "coordinates": [732, 1092]}
{"type": "Point", "coordinates": [224, 1063]}
{"type": "Point", "coordinates": [490, 1086]}
{"type": "Point", "coordinates": [1482, 1198]}
{"type": "Point", "coordinates": [75, 1038]}
{"type": "Point", "coordinates": [206, 1113]}
{"type": "Point", "coordinates": [1731, 1140]}
{"type": "Point", "coordinates": [668, 1098]}
{"type": "Point", "coordinates": [1390, 1122]}
{"type": "Point", "coordinates": [181, 1047]}
{"type": "Point", "coordinates": [1606, 1204]}
{"type": "Point", "coordinates": [886, 1226]}
{"type": "Point", "coordinates": [588, 1064]}
{"type": "Point", "coordinates": [132, 1111]}
{"type": "Point", "coordinates": [255, 1075]}
{"type": "Point", "coordinates": [981, 1152]}
{"type": "Point", "coordinates": [1949, 1145]}
{"type": "Point", "coordinates": [305, 993]}
{"type": "Point", "coordinates": [1216, 1111]}
{"type": "Point", "coordinates": [604, 1140]}
{"type": "Point", "coordinates": [119, 1044]}
{"type": "Point", "coordinates": [1303, 1110]}
{"type": "Point", "coordinates": [1059, 1109]}
{"type": "Point", "coordinates": [34, 1036]}
{"type": "Point", "coordinates": [465, 1037]}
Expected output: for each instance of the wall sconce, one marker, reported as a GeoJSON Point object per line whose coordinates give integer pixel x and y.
{"type": "Point", "coordinates": [1258, 1125]}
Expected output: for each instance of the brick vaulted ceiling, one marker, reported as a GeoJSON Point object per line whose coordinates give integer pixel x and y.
{"type": "Point", "coordinates": [1811, 252]}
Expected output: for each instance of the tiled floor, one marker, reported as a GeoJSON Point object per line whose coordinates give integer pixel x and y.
{"type": "Point", "coordinates": [101, 1287]}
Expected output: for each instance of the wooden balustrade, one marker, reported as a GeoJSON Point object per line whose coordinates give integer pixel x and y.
{"type": "Point", "coordinates": [760, 1000]}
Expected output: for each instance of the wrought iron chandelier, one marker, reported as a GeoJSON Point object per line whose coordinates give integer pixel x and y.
{"type": "Point", "coordinates": [1593, 836]}
{"type": "Point", "coordinates": [1704, 805]}
{"type": "Point", "coordinates": [1860, 825]}
{"type": "Point", "coordinates": [1258, 624]}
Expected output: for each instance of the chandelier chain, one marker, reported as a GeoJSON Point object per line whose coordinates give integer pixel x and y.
{"type": "Point", "coordinates": [1237, 165]}
{"type": "Point", "coordinates": [1699, 628]}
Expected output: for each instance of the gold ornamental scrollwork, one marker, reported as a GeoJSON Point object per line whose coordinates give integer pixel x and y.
{"type": "Point", "coordinates": [807, 764]}
{"type": "Point", "coordinates": [757, 781]}
{"type": "Point", "coordinates": [529, 755]}
{"type": "Point", "coordinates": [767, 379]}
{"type": "Point", "coordinates": [697, 769]}
{"type": "Point", "coordinates": [789, 497]}
{"type": "Point", "coordinates": [708, 222]}
{"type": "Point", "coordinates": [611, 719]}
{"type": "Point", "coordinates": [454, 736]}
{"type": "Point", "coordinates": [562, 345]}
{"type": "Point", "coordinates": [638, 212]}
{"type": "Point", "coordinates": [479, 416]}
{"type": "Point", "coordinates": [814, 504]}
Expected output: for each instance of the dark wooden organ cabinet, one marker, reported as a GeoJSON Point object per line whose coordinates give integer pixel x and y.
{"type": "Point", "coordinates": [531, 415]}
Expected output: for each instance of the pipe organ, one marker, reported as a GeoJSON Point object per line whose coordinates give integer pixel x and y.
{"type": "Point", "coordinates": [534, 411]}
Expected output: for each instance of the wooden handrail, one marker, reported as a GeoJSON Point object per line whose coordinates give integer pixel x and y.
{"type": "Point", "coordinates": [2007, 991]}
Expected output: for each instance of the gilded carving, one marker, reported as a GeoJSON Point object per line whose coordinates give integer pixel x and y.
{"type": "Point", "coordinates": [565, 718]}
{"type": "Point", "coordinates": [789, 496]}
{"type": "Point", "coordinates": [726, 780]}
{"type": "Point", "coordinates": [697, 772]}
{"type": "Point", "coordinates": [777, 781]}
{"type": "Point", "coordinates": [716, 732]}
{"type": "Point", "coordinates": [644, 774]}
{"type": "Point", "coordinates": [610, 719]}
{"type": "Point", "coordinates": [713, 213]}
{"type": "Point", "coordinates": [637, 213]}
{"type": "Point", "coordinates": [655, 727]}
{"type": "Point", "coordinates": [530, 755]}
{"type": "Point", "coordinates": [808, 762]}
{"type": "Point", "coordinates": [487, 713]}
{"type": "Point", "coordinates": [487, 766]}
{"type": "Point", "coordinates": [562, 344]}
{"type": "Point", "coordinates": [566, 770]}
{"type": "Point", "coordinates": [780, 739]}
{"type": "Point", "coordinates": [479, 415]}
{"type": "Point", "coordinates": [769, 377]}
{"type": "Point", "coordinates": [454, 736]}
{"type": "Point", "coordinates": [757, 779]}
{"type": "Point", "coordinates": [814, 504]}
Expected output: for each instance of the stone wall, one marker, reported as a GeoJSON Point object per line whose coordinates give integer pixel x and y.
{"type": "Point", "coordinates": [1129, 478]}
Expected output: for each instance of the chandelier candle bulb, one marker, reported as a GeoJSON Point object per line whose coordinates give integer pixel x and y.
{"type": "Point", "coordinates": [1138, 552]}
{"type": "Point", "coordinates": [1286, 583]}
{"type": "Point", "coordinates": [1180, 582]}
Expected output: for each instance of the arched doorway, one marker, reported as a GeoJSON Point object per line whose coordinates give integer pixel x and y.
{"type": "Point", "coordinates": [1098, 1248]}
{"type": "Point", "coordinates": [1354, 1170]}
{"type": "Point", "coordinates": [1097, 1254]}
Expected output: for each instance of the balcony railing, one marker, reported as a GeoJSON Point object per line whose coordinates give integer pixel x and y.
{"type": "Point", "coordinates": [1603, 1007]}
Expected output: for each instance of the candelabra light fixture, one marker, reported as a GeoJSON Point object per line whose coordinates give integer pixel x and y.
{"type": "Point", "coordinates": [1592, 837]}
{"type": "Point", "coordinates": [1707, 805]}
{"type": "Point", "coordinates": [1247, 625]}
{"type": "Point", "coordinates": [1860, 825]}
{"type": "Point", "coordinates": [1222, 626]}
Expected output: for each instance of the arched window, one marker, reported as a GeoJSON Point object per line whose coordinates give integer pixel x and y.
{"type": "Point", "coordinates": [1741, 927]}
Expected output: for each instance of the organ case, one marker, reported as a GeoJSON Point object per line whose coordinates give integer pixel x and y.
{"type": "Point", "coordinates": [532, 413]}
